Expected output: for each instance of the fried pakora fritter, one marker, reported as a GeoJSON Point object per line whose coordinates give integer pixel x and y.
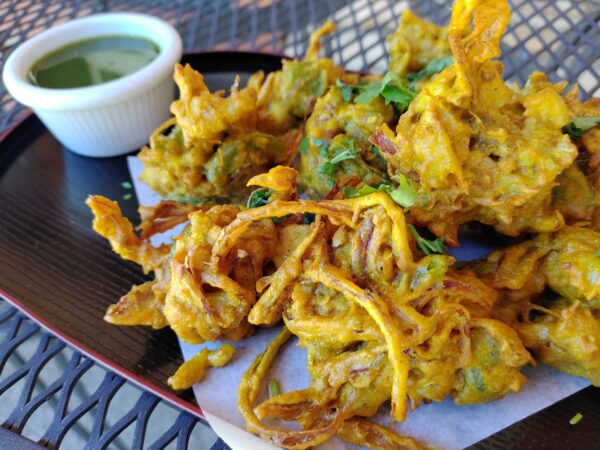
{"type": "Point", "coordinates": [550, 288]}
{"type": "Point", "coordinates": [478, 149]}
{"type": "Point", "coordinates": [383, 313]}
{"type": "Point", "coordinates": [215, 144]}
{"type": "Point", "coordinates": [409, 327]}
{"type": "Point", "coordinates": [416, 43]}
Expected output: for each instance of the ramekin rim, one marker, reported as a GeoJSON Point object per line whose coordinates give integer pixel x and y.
{"type": "Point", "coordinates": [124, 88]}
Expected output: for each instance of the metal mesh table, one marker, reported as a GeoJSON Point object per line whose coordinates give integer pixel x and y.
{"type": "Point", "coordinates": [558, 37]}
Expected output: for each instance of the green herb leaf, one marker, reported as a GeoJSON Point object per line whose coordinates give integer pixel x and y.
{"type": "Point", "coordinates": [397, 94]}
{"type": "Point", "coordinates": [576, 419]}
{"type": "Point", "coordinates": [435, 66]}
{"type": "Point", "coordinates": [304, 145]}
{"type": "Point", "coordinates": [126, 185]}
{"type": "Point", "coordinates": [390, 88]}
{"type": "Point", "coordinates": [579, 125]}
{"type": "Point", "coordinates": [376, 150]}
{"type": "Point", "coordinates": [322, 145]}
{"type": "Point", "coordinates": [127, 196]}
{"type": "Point", "coordinates": [259, 197]}
{"type": "Point", "coordinates": [350, 192]}
{"type": "Point", "coordinates": [346, 90]}
{"type": "Point", "coordinates": [428, 247]}
{"type": "Point", "coordinates": [406, 193]}
{"type": "Point", "coordinates": [274, 389]}
{"type": "Point", "coordinates": [369, 92]}
{"type": "Point", "coordinates": [597, 253]}
{"type": "Point", "coordinates": [329, 167]}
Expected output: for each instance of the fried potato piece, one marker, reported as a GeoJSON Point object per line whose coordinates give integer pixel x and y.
{"type": "Point", "coordinates": [477, 148]}
{"type": "Point", "coordinates": [192, 371]}
{"type": "Point", "coordinates": [415, 43]}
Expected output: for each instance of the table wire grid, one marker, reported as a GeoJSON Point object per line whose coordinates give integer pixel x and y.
{"type": "Point", "coordinates": [561, 38]}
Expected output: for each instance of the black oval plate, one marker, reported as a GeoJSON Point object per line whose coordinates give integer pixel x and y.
{"type": "Point", "coordinates": [63, 275]}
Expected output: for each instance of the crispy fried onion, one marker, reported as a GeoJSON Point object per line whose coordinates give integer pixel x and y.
{"type": "Point", "coordinates": [248, 393]}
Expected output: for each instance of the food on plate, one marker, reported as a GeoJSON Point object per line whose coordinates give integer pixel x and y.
{"type": "Point", "coordinates": [192, 371]}
{"type": "Point", "coordinates": [477, 148]}
{"type": "Point", "coordinates": [216, 143]}
{"type": "Point", "coordinates": [333, 250]}
{"type": "Point", "coordinates": [550, 294]}
{"type": "Point", "coordinates": [378, 318]}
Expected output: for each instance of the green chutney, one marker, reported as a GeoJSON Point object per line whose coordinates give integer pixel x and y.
{"type": "Point", "coordinates": [92, 61]}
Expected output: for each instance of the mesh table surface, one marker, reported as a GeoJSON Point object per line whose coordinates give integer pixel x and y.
{"type": "Point", "coordinates": [561, 38]}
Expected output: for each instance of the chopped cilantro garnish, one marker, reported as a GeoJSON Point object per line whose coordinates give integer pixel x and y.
{"type": "Point", "coordinates": [274, 389]}
{"type": "Point", "coordinates": [126, 185]}
{"type": "Point", "coordinates": [390, 88]}
{"type": "Point", "coordinates": [428, 247]}
{"type": "Point", "coordinates": [580, 125]}
{"type": "Point", "coordinates": [576, 419]}
{"type": "Point", "coordinates": [304, 145]}
{"type": "Point", "coordinates": [435, 66]}
{"type": "Point", "coordinates": [127, 196]}
{"type": "Point", "coordinates": [329, 167]}
{"type": "Point", "coordinates": [368, 92]}
{"type": "Point", "coordinates": [350, 192]}
{"type": "Point", "coordinates": [322, 145]}
{"type": "Point", "coordinates": [346, 90]}
{"type": "Point", "coordinates": [376, 150]}
{"type": "Point", "coordinates": [405, 194]}
{"type": "Point", "coordinates": [259, 197]}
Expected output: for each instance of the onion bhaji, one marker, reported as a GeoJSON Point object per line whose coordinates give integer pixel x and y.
{"type": "Point", "coordinates": [477, 148]}
{"type": "Point", "coordinates": [214, 144]}
{"type": "Point", "coordinates": [383, 313]}
{"type": "Point", "coordinates": [550, 294]}
{"type": "Point", "coordinates": [379, 320]}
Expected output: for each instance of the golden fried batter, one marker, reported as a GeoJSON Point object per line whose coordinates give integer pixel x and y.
{"type": "Point", "coordinates": [383, 313]}
{"type": "Point", "coordinates": [551, 296]}
{"type": "Point", "coordinates": [416, 43]}
{"type": "Point", "coordinates": [477, 148]}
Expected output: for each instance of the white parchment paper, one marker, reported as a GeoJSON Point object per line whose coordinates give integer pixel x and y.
{"type": "Point", "coordinates": [444, 425]}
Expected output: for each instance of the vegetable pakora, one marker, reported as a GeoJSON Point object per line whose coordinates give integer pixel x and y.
{"type": "Point", "coordinates": [382, 312]}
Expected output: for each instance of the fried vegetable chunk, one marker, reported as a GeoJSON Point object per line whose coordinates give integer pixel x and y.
{"type": "Point", "coordinates": [213, 147]}
{"type": "Point", "coordinates": [551, 296]}
{"type": "Point", "coordinates": [192, 371]}
{"type": "Point", "coordinates": [416, 43]}
{"type": "Point", "coordinates": [477, 148]}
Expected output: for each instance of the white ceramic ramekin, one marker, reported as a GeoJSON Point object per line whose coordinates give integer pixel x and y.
{"type": "Point", "coordinates": [107, 119]}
